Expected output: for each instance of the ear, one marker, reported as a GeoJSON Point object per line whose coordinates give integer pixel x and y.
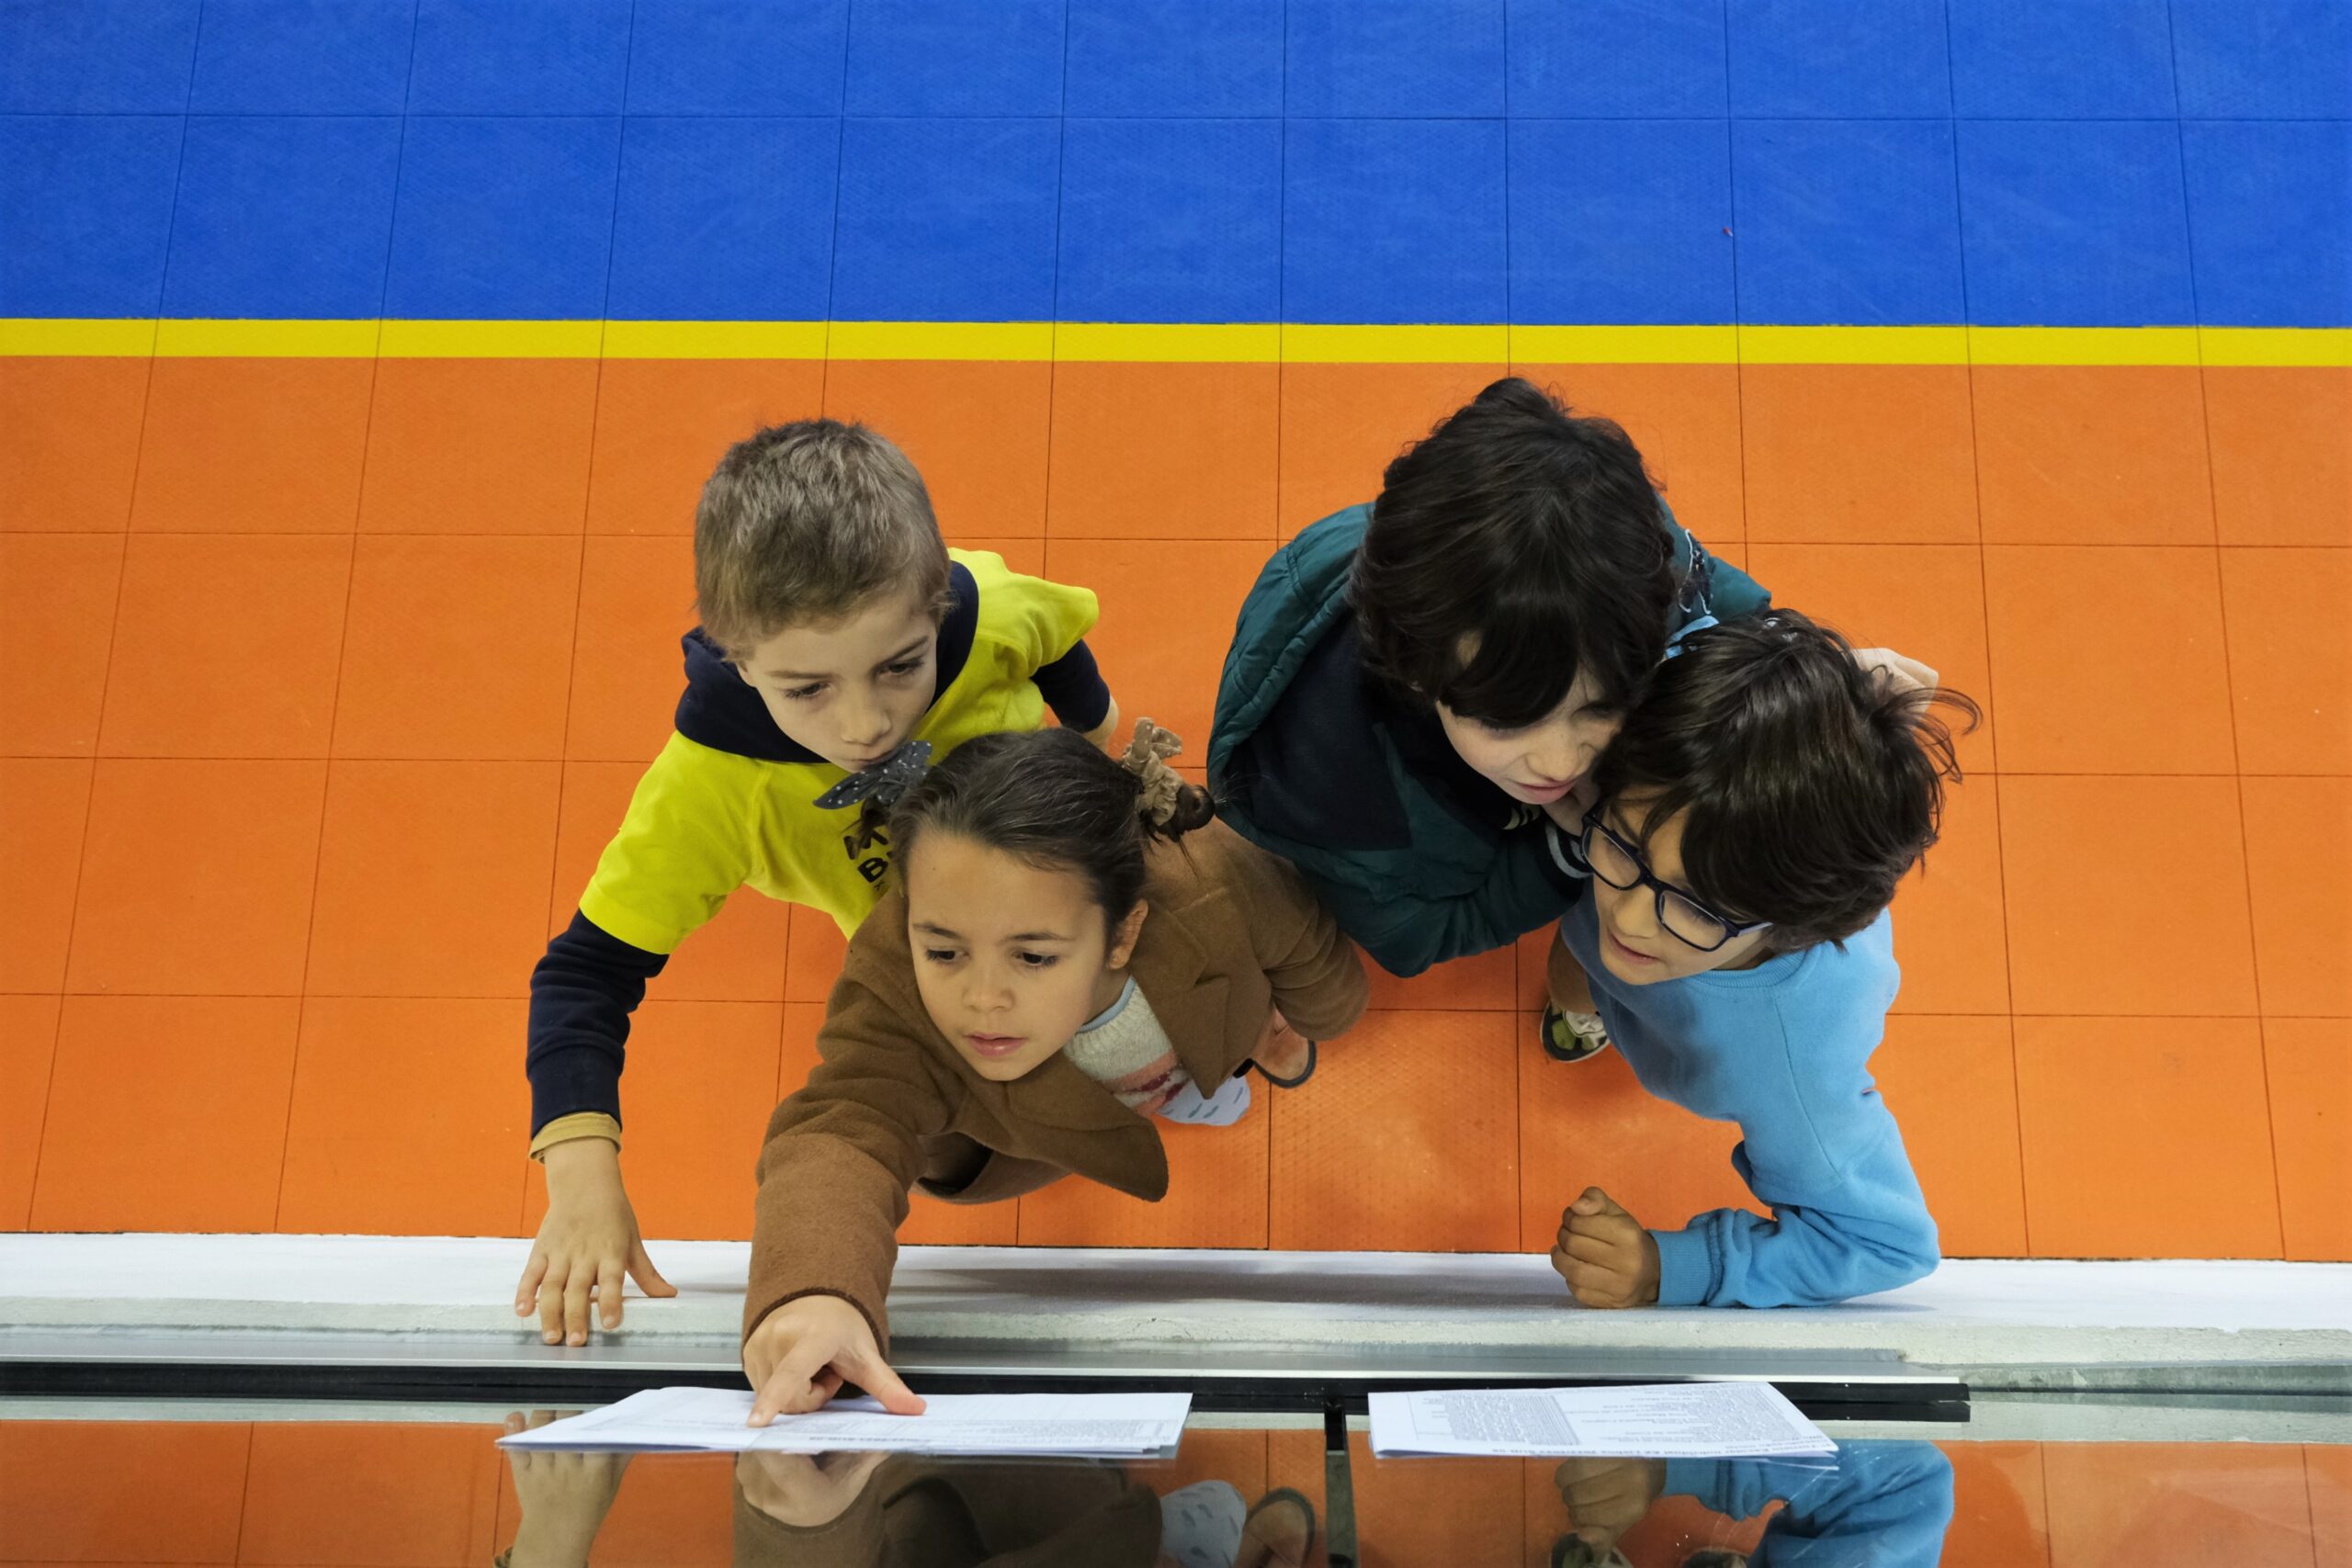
{"type": "Point", "coordinates": [1123, 936]}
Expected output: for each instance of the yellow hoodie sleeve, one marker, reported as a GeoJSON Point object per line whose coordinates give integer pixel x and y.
{"type": "Point", "coordinates": [687, 843]}
{"type": "Point", "coordinates": [1039, 621]}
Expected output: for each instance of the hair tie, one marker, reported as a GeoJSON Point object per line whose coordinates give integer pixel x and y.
{"type": "Point", "coordinates": [884, 783]}
{"type": "Point", "coordinates": [1161, 787]}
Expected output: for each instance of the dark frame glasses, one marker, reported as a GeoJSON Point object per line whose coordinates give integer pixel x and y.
{"type": "Point", "coordinates": [1668, 895]}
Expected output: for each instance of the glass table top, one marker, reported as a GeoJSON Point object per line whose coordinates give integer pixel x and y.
{"type": "Point", "coordinates": [426, 1487]}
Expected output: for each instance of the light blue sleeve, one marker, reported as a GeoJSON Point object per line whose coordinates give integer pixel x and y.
{"type": "Point", "coordinates": [1884, 1503]}
{"type": "Point", "coordinates": [1834, 1234]}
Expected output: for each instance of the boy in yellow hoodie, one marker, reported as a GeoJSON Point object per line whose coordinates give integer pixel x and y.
{"type": "Point", "coordinates": [843, 649]}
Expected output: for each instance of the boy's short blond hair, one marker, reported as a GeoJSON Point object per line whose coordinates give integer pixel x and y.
{"type": "Point", "coordinates": [808, 520]}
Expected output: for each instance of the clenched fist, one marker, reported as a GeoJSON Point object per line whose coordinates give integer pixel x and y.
{"type": "Point", "coordinates": [1603, 1253]}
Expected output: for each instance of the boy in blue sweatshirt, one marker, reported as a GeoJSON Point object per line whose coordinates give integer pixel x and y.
{"type": "Point", "coordinates": [1753, 818]}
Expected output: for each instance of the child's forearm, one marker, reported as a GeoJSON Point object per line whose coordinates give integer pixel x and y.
{"type": "Point", "coordinates": [1805, 1258]}
{"type": "Point", "coordinates": [1406, 936]}
{"type": "Point", "coordinates": [1107, 732]}
{"type": "Point", "coordinates": [825, 1222]}
{"type": "Point", "coordinates": [1073, 687]}
{"type": "Point", "coordinates": [576, 1162]}
{"type": "Point", "coordinates": [583, 993]}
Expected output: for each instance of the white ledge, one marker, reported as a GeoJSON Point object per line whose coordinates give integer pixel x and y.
{"type": "Point", "coordinates": [1971, 1314]}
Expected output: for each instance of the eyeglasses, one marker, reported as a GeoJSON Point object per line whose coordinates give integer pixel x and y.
{"type": "Point", "coordinates": [1620, 864]}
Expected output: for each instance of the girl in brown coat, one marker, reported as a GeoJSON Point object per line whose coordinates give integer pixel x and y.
{"type": "Point", "coordinates": [1054, 972]}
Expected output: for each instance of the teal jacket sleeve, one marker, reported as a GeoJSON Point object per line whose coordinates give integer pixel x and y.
{"type": "Point", "coordinates": [1530, 886]}
{"type": "Point", "coordinates": [1732, 593]}
{"type": "Point", "coordinates": [1711, 585]}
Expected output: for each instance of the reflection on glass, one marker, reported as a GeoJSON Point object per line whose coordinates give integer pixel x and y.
{"type": "Point", "coordinates": [355, 1493]}
{"type": "Point", "coordinates": [1886, 1504]}
{"type": "Point", "coordinates": [866, 1510]}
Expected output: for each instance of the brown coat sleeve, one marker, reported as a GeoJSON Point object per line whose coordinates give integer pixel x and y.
{"type": "Point", "coordinates": [842, 1153]}
{"type": "Point", "coordinates": [1318, 977]}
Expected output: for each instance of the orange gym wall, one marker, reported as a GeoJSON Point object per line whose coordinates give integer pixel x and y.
{"type": "Point", "coordinates": [288, 814]}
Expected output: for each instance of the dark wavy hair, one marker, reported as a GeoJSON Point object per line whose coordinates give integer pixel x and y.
{"type": "Point", "coordinates": [1811, 787]}
{"type": "Point", "coordinates": [1052, 799]}
{"type": "Point", "coordinates": [1535, 531]}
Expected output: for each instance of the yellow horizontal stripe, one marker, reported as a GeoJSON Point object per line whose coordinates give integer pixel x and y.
{"type": "Point", "coordinates": [1238, 343]}
{"type": "Point", "coordinates": [1306, 343]}
{"type": "Point", "coordinates": [941, 340]}
{"type": "Point", "coordinates": [714, 340]}
{"type": "Point", "coordinates": [266, 340]}
{"type": "Point", "coordinates": [492, 340]}
{"type": "Point", "coordinates": [2277, 345]}
{"type": "Point", "coordinates": [1625, 345]}
{"type": "Point", "coordinates": [100, 339]}
{"type": "Point", "coordinates": [1182, 343]}
{"type": "Point", "coordinates": [2081, 346]}
{"type": "Point", "coordinates": [1853, 346]}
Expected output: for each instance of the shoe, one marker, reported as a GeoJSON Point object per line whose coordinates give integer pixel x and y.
{"type": "Point", "coordinates": [1279, 1549]}
{"type": "Point", "coordinates": [1305, 1074]}
{"type": "Point", "coordinates": [1571, 1037]}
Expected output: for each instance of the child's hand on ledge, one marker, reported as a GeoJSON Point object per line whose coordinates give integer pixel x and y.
{"type": "Point", "coordinates": [802, 1352]}
{"type": "Point", "coordinates": [1603, 1253]}
{"type": "Point", "coordinates": [587, 1242]}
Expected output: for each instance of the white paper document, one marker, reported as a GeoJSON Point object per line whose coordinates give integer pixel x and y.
{"type": "Point", "coordinates": [1081, 1426]}
{"type": "Point", "coordinates": [1682, 1420]}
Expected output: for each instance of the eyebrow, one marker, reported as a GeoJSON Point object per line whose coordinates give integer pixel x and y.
{"type": "Point", "coordinates": [935, 929]}
{"type": "Point", "coordinates": [911, 649]}
{"type": "Point", "coordinates": [1614, 821]}
{"type": "Point", "coordinates": [1643, 851]}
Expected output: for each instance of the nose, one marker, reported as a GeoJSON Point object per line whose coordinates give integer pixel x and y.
{"type": "Point", "coordinates": [989, 990]}
{"type": "Point", "coordinates": [1555, 753]}
{"type": "Point", "coordinates": [862, 721]}
{"type": "Point", "coordinates": [1633, 910]}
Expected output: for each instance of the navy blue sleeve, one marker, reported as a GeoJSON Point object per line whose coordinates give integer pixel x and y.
{"type": "Point", "coordinates": [581, 994]}
{"type": "Point", "coordinates": [1075, 689]}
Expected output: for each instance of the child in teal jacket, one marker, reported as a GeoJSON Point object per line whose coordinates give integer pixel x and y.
{"type": "Point", "coordinates": [1418, 689]}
